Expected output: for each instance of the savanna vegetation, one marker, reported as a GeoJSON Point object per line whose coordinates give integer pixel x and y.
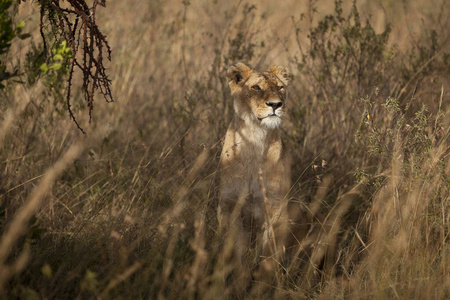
{"type": "Point", "coordinates": [119, 200]}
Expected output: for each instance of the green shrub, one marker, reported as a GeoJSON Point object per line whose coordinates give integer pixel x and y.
{"type": "Point", "coordinates": [8, 32]}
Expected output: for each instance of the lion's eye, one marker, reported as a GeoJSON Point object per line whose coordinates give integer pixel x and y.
{"type": "Point", "coordinates": [280, 87]}
{"type": "Point", "coordinates": [256, 87]}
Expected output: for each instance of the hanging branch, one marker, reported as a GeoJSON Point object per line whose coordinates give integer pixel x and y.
{"type": "Point", "coordinates": [83, 34]}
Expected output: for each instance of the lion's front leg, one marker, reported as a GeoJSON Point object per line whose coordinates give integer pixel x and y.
{"type": "Point", "coordinates": [276, 225]}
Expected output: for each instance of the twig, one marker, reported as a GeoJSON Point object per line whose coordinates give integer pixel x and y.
{"type": "Point", "coordinates": [85, 34]}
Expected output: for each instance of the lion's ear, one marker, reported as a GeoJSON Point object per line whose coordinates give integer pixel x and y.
{"type": "Point", "coordinates": [281, 73]}
{"type": "Point", "coordinates": [238, 72]}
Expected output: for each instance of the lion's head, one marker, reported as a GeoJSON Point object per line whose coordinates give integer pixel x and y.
{"type": "Point", "coordinates": [259, 97]}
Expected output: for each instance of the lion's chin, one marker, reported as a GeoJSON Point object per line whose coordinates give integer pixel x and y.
{"type": "Point", "coordinates": [271, 122]}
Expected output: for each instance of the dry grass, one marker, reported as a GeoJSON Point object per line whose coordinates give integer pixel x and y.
{"type": "Point", "coordinates": [130, 210]}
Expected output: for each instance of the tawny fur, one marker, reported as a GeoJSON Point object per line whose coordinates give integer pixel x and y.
{"type": "Point", "coordinates": [255, 173]}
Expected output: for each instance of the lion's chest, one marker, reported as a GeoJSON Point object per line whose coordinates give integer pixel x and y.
{"type": "Point", "coordinates": [250, 166]}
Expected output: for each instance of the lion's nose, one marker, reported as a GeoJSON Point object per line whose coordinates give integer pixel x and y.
{"type": "Point", "coordinates": [274, 105]}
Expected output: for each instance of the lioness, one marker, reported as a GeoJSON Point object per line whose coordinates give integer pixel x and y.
{"type": "Point", "coordinates": [255, 176]}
